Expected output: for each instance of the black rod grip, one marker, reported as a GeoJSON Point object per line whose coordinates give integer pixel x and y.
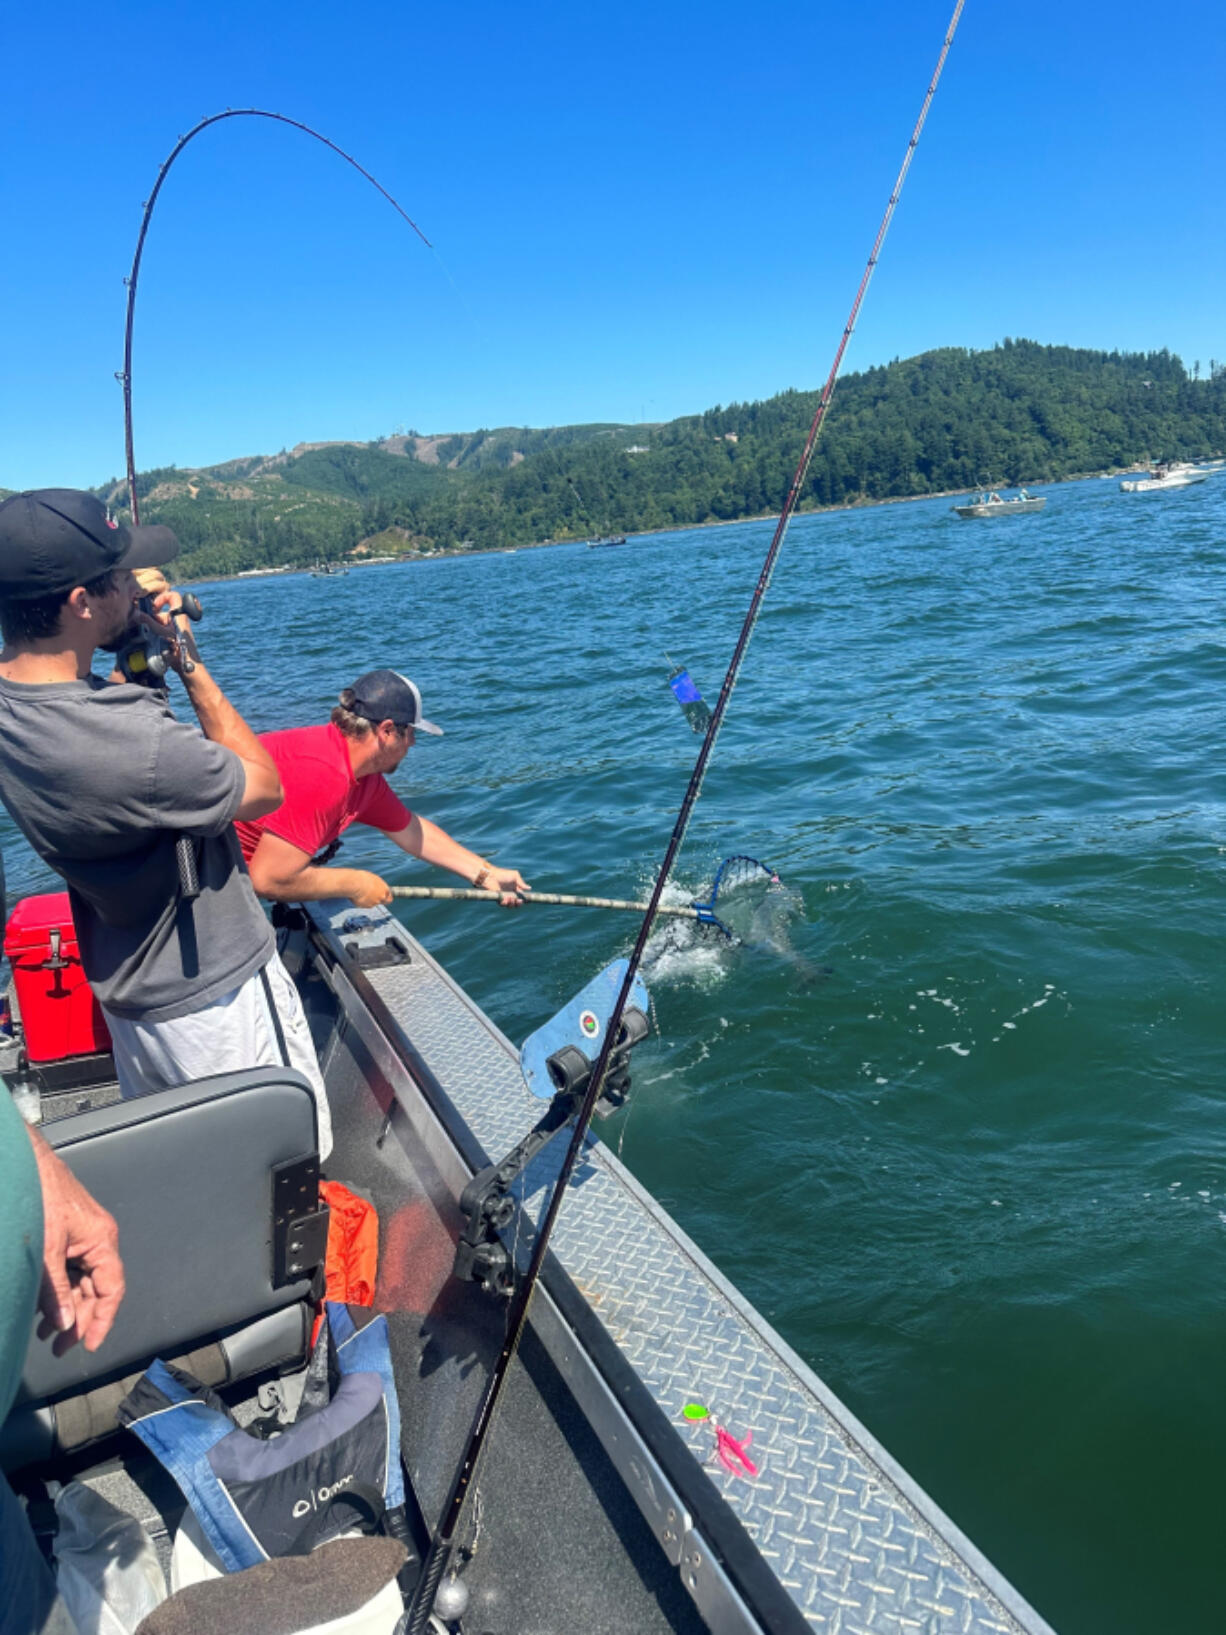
{"type": "Point", "coordinates": [185, 856]}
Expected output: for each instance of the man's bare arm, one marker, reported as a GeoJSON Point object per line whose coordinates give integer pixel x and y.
{"type": "Point", "coordinates": [82, 1272]}
{"type": "Point", "coordinates": [426, 840]}
{"type": "Point", "coordinates": [284, 873]}
{"type": "Point", "coordinates": [218, 718]}
{"type": "Point", "coordinates": [221, 722]}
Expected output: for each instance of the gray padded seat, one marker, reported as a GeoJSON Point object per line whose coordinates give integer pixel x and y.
{"type": "Point", "coordinates": [188, 1174]}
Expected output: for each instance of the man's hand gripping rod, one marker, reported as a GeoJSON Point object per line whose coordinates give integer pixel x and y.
{"type": "Point", "coordinates": [149, 655]}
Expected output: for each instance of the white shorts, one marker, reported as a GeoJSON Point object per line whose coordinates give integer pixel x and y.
{"type": "Point", "coordinates": [233, 1033]}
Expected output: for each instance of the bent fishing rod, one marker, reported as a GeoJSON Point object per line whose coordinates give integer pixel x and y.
{"type": "Point", "coordinates": [124, 376]}
{"type": "Point", "coordinates": [443, 1539]}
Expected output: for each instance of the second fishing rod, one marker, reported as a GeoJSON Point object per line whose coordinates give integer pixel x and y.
{"type": "Point", "coordinates": [442, 1543]}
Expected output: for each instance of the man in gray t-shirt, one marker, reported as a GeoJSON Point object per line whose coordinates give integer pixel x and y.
{"type": "Point", "coordinates": [102, 781]}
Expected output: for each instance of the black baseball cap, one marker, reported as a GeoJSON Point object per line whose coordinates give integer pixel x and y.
{"type": "Point", "coordinates": [386, 695]}
{"type": "Point", "coordinates": [52, 539]}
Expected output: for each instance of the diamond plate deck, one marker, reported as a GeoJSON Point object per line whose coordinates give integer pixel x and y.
{"type": "Point", "coordinates": [858, 1545]}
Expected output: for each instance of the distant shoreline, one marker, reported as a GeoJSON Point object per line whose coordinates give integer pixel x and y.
{"type": "Point", "coordinates": [651, 533]}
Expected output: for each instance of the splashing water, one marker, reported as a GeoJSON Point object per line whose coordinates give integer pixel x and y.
{"type": "Point", "coordinates": [759, 911]}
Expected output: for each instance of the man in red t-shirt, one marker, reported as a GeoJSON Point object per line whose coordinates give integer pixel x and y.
{"type": "Point", "coordinates": [334, 776]}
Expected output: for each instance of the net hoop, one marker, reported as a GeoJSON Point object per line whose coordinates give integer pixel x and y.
{"type": "Point", "coordinates": [750, 867]}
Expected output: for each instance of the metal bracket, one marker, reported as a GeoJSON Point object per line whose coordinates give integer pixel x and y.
{"type": "Point", "coordinates": [486, 1202]}
{"type": "Point", "coordinates": [299, 1221]}
{"type": "Point", "coordinates": [481, 1256]}
{"type": "Point", "coordinates": [383, 954]}
{"type": "Point", "coordinates": [373, 956]}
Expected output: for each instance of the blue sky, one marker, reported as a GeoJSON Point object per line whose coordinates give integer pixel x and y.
{"type": "Point", "coordinates": [638, 210]}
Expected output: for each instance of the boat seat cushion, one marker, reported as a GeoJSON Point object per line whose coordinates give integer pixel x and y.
{"type": "Point", "coordinates": [188, 1175]}
{"type": "Point", "coordinates": [347, 1587]}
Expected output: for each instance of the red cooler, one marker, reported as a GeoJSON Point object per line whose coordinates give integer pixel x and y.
{"type": "Point", "coordinates": [59, 1013]}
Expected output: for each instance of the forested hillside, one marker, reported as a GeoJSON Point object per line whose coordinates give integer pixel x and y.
{"type": "Point", "coordinates": [949, 419]}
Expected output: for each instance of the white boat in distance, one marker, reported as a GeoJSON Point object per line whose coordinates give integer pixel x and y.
{"type": "Point", "coordinates": [990, 504]}
{"type": "Point", "coordinates": [1178, 474]}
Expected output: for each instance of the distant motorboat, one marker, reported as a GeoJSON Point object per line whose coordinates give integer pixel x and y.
{"type": "Point", "coordinates": [607, 539]}
{"type": "Point", "coordinates": [329, 570]}
{"type": "Point", "coordinates": [991, 504]}
{"type": "Point", "coordinates": [1175, 474]}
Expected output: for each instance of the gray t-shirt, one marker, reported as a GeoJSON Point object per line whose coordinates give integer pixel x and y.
{"type": "Point", "coordinates": [101, 779]}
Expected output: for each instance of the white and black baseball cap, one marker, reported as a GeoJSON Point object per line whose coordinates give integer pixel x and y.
{"type": "Point", "coordinates": [386, 695]}
{"type": "Point", "coordinates": [53, 539]}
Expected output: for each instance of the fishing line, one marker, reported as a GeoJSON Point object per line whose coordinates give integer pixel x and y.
{"type": "Point", "coordinates": [583, 515]}
{"type": "Point", "coordinates": [441, 1543]}
{"type": "Point", "coordinates": [124, 376]}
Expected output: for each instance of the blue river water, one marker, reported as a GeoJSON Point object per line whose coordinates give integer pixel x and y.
{"type": "Point", "coordinates": [962, 1135]}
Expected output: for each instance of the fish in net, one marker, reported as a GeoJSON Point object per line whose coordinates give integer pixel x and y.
{"type": "Point", "coordinates": [746, 902]}
{"type": "Point", "coordinates": [750, 905]}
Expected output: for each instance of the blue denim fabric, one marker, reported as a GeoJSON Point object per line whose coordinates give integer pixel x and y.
{"type": "Point", "coordinates": [181, 1435]}
{"type": "Point", "coordinates": [367, 1350]}
{"type": "Point", "coordinates": [182, 1432]}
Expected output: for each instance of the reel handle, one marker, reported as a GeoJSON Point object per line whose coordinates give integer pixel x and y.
{"type": "Point", "coordinates": [191, 610]}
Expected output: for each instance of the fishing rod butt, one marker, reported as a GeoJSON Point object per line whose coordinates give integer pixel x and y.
{"type": "Point", "coordinates": [421, 1602]}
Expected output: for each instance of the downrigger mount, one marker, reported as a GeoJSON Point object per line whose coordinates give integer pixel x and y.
{"type": "Point", "coordinates": [557, 1062]}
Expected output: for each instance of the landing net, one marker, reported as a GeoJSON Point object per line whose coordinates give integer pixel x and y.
{"type": "Point", "coordinates": [740, 904]}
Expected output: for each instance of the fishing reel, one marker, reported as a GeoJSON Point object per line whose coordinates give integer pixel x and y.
{"type": "Point", "coordinates": [145, 657]}
{"type": "Point", "coordinates": [486, 1202]}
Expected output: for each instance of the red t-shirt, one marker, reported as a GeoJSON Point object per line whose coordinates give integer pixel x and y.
{"type": "Point", "coordinates": [322, 796]}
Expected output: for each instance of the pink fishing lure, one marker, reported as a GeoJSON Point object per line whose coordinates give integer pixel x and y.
{"type": "Point", "coordinates": [731, 1453]}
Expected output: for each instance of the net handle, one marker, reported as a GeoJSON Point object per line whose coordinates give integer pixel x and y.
{"type": "Point", "coordinates": [565, 899]}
